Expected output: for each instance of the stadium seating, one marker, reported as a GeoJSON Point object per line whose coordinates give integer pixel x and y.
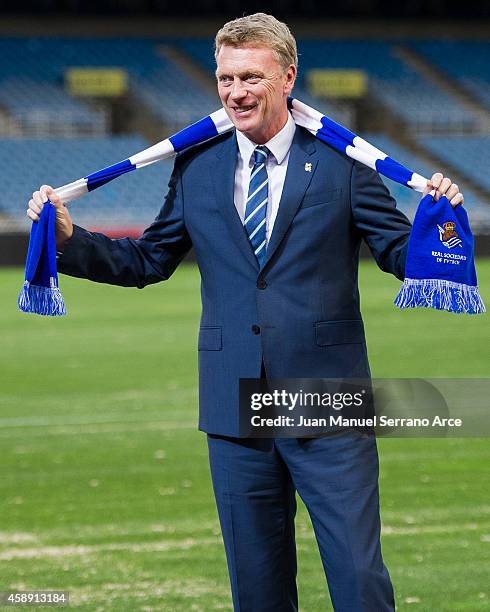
{"type": "Point", "coordinates": [407, 200]}
{"type": "Point", "coordinates": [467, 61]}
{"type": "Point", "coordinates": [406, 93]}
{"type": "Point", "coordinates": [469, 154]}
{"type": "Point", "coordinates": [422, 106]}
{"type": "Point", "coordinates": [31, 78]}
{"type": "Point", "coordinates": [32, 73]}
{"type": "Point", "coordinates": [38, 64]}
{"type": "Point", "coordinates": [130, 202]}
{"type": "Point", "coordinates": [172, 97]}
{"type": "Point", "coordinates": [44, 108]}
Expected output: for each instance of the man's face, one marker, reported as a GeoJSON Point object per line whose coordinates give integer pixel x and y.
{"type": "Point", "coordinates": [253, 87]}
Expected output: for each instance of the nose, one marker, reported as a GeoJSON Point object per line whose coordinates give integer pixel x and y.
{"type": "Point", "coordinates": [238, 90]}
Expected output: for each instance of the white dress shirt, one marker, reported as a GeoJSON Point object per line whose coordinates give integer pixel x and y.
{"type": "Point", "coordinates": [277, 163]}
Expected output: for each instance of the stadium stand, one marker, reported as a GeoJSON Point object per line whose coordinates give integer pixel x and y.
{"type": "Point", "coordinates": [37, 108]}
{"type": "Point", "coordinates": [467, 62]}
{"type": "Point", "coordinates": [470, 154]}
{"type": "Point", "coordinates": [173, 97]}
{"type": "Point", "coordinates": [32, 73]}
{"type": "Point", "coordinates": [31, 92]}
{"type": "Point", "coordinates": [407, 94]}
{"type": "Point", "coordinates": [407, 200]}
{"type": "Point", "coordinates": [128, 204]}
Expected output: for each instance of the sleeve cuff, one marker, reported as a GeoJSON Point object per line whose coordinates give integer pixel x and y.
{"type": "Point", "coordinates": [68, 258]}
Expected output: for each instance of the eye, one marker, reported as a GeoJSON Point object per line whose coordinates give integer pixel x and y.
{"type": "Point", "coordinates": [224, 78]}
{"type": "Point", "coordinates": [252, 78]}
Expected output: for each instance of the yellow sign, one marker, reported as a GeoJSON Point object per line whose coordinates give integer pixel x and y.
{"type": "Point", "coordinates": [329, 83]}
{"type": "Point", "coordinates": [96, 81]}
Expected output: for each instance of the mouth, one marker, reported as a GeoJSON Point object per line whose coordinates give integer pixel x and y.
{"type": "Point", "coordinates": [242, 111]}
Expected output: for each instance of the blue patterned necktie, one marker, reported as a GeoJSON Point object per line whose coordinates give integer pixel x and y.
{"type": "Point", "coordinates": [256, 206]}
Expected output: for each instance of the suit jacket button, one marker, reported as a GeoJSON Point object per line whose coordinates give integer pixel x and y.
{"type": "Point", "coordinates": [255, 330]}
{"type": "Point", "coordinates": [261, 283]}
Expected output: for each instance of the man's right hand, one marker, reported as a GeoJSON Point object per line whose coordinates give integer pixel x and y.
{"type": "Point", "coordinates": [63, 225]}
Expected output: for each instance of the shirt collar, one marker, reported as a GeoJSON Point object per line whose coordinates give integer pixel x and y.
{"type": "Point", "coordinates": [278, 145]}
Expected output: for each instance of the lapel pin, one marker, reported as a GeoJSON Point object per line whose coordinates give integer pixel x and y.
{"type": "Point", "coordinates": [307, 167]}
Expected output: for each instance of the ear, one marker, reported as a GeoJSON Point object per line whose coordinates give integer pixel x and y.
{"type": "Point", "coordinates": [290, 77]}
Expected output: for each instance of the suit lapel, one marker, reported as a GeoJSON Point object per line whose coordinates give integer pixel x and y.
{"type": "Point", "coordinates": [301, 167]}
{"type": "Point", "coordinates": [297, 180]}
{"type": "Point", "coordinates": [224, 186]}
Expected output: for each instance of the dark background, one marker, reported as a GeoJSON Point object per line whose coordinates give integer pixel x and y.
{"type": "Point", "coordinates": [347, 9]}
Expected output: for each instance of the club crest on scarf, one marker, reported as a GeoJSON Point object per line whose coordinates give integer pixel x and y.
{"type": "Point", "coordinates": [448, 235]}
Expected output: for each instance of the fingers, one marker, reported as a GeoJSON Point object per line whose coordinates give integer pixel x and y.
{"type": "Point", "coordinates": [39, 198]}
{"type": "Point", "coordinates": [48, 192]}
{"type": "Point", "coordinates": [444, 186]}
{"type": "Point", "coordinates": [36, 205]}
{"type": "Point", "coordinates": [32, 215]}
{"type": "Point", "coordinates": [433, 183]}
{"type": "Point", "coordinates": [452, 191]}
{"type": "Point", "coordinates": [436, 180]}
{"type": "Point", "coordinates": [428, 188]}
{"type": "Point", "coordinates": [441, 185]}
{"type": "Point", "coordinates": [458, 199]}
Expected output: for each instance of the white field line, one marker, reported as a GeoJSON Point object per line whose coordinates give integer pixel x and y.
{"type": "Point", "coordinates": [44, 427]}
{"type": "Point", "coordinates": [188, 543]}
{"type": "Point", "coordinates": [101, 429]}
{"type": "Point", "coordinates": [89, 419]}
{"type": "Point", "coordinates": [181, 528]}
{"type": "Point", "coordinates": [171, 396]}
{"type": "Point", "coordinates": [387, 530]}
{"type": "Point", "coordinates": [84, 549]}
{"type": "Point", "coordinates": [426, 514]}
{"type": "Point", "coordinates": [109, 593]}
{"type": "Point", "coordinates": [17, 537]}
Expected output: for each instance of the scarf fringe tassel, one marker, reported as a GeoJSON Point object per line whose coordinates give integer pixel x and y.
{"type": "Point", "coordinates": [441, 295]}
{"type": "Point", "coordinates": [42, 300]}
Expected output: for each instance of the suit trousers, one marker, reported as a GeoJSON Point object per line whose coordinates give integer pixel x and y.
{"type": "Point", "coordinates": [255, 482]}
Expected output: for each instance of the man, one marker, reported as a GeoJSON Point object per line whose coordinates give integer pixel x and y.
{"type": "Point", "coordinates": [276, 219]}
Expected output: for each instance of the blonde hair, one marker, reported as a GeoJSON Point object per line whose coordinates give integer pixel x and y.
{"type": "Point", "coordinates": [263, 31]}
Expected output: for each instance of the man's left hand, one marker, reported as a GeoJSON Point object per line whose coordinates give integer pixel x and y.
{"type": "Point", "coordinates": [444, 186]}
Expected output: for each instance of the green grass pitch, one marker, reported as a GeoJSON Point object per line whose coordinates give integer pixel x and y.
{"type": "Point", "coordinates": [104, 487]}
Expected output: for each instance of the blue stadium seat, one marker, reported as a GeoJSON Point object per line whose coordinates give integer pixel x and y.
{"type": "Point", "coordinates": [407, 93]}
{"type": "Point", "coordinates": [133, 200]}
{"type": "Point", "coordinates": [469, 154]}
{"type": "Point", "coordinates": [407, 200]}
{"type": "Point", "coordinates": [33, 102]}
{"type": "Point", "coordinates": [466, 61]}
{"type": "Point", "coordinates": [32, 72]}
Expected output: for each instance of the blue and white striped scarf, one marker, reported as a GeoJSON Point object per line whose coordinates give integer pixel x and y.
{"type": "Point", "coordinates": [40, 293]}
